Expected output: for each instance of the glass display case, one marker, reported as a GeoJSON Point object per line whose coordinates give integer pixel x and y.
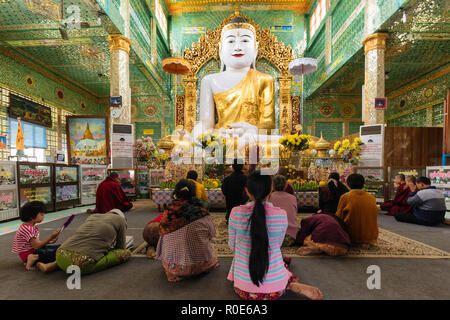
{"type": "Point", "coordinates": [374, 181]}
{"type": "Point", "coordinates": [127, 180]}
{"type": "Point", "coordinates": [36, 182]}
{"type": "Point", "coordinates": [143, 179]}
{"type": "Point", "coordinates": [9, 208]}
{"type": "Point", "coordinates": [67, 193]}
{"type": "Point", "coordinates": [90, 177]}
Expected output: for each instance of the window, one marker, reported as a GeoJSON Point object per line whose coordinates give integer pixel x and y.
{"type": "Point", "coordinates": [47, 138]}
{"type": "Point", "coordinates": [317, 16]}
{"type": "Point", "coordinates": [161, 17]}
{"type": "Point", "coordinates": [34, 139]}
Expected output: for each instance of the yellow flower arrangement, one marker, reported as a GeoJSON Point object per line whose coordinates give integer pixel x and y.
{"type": "Point", "coordinates": [296, 142]}
{"type": "Point", "coordinates": [349, 152]}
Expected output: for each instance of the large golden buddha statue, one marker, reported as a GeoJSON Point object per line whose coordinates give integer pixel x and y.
{"type": "Point", "coordinates": [239, 97]}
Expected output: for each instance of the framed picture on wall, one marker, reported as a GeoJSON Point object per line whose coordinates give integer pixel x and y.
{"type": "Point", "coordinates": [87, 139]}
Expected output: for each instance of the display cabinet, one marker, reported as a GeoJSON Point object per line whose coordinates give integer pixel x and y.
{"type": "Point", "coordinates": [9, 204]}
{"type": "Point", "coordinates": [127, 179]}
{"type": "Point", "coordinates": [90, 177]}
{"type": "Point", "coordinates": [440, 178]}
{"type": "Point", "coordinates": [36, 182]}
{"type": "Point", "coordinates": [143, 180]}
{"type": "Point", "coordinates": [67, 192]}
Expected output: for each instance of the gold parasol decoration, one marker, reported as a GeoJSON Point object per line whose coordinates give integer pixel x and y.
{"type": "Point", "coordinates": [176, 66]}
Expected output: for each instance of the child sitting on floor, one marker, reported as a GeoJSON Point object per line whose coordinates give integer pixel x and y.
{"type": "Point", "coordinates": [26, 241]}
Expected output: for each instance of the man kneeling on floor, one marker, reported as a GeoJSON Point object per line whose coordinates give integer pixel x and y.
{"type": "Point", "coordinates": [428, 202]}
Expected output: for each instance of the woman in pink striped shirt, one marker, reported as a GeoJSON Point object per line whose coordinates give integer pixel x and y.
{"type": "Point", "coordinates": [256, 231]}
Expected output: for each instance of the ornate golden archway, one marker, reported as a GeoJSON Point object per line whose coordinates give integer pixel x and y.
{"type": "Point", "coordinates": [207, 48]}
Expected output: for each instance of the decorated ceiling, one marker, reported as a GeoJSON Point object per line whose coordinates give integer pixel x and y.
{"type": "Point", "coordinates": [418, 43]}
{"type": "Point", "coordinates": [33, 30]}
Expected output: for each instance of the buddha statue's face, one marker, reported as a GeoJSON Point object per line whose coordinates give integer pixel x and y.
{"type": "Point", "coordinates": [238, 48]}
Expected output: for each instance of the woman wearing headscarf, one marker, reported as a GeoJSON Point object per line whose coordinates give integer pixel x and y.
{"type": "Point", "coordinates": [186, 230]}
{"type": "Point", "coordinates": [330, 194]}
{"type": "Point", "coordinates": [99, 243]}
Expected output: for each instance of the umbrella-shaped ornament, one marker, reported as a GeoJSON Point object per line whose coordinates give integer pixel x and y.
{"type": "Point", "coordinates": [301, 67]}
{"type": "Point", "coordinates": [176, 65]}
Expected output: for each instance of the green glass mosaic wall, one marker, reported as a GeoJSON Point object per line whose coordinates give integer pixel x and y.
{"type": "Point", "coordinates": [330, 130]}
{"type": "Point", "coordinates": [347, 34]}
{"type": "Point", "coordinates": [405, 109]}
{"type": "Point", "coordinates": [13, 75]}
{"type": "Point", "coordinates": [141, 126]}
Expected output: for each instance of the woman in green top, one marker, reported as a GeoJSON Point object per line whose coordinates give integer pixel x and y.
{"type": "Point", "coordinates": [99, 243]}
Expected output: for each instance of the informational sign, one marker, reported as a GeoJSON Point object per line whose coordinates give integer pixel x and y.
{"type": "Point", "coordinates": [7, 174]}
{"type": "Point", "coordinates": [29, 111]}
{"type": "Point", "coordinates": [92, 175]}
{"type": "Point", "coordinates": [66, 174]}
{"type": "Point", "coordinates": [7, 200]}
{"type": "Point", "coordinates": [115, 101]}
{"type": "Point", "coordinates": [372, 150]}
{"type": "Point", "coordinates": [372, 175]}
{"type": "Point", "coordinates": [38, 174]}
{"type": "Point", "coordinates": [43, 194]}
{"type": "Point", "coordinates": [380, 103]}
{"type": "Point", "coordinates": [66, 193]}
{"type": "Point", "coordinates": [148, 131]}
{"type": "Point", "coordinates": [60, 156]}
{"type": "Point", "coordinates": [439, 176]}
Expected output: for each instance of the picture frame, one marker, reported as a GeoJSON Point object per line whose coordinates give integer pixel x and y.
{"type": "Point", "coordinates": [87, 139]}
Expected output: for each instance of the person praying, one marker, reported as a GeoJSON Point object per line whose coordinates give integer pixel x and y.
{"type": "Point", "coordinates": [111, 196]}
{"type": "Point", "coordinates": [359, 211]}
{"type": "Point", "coordinates": [399, 203]}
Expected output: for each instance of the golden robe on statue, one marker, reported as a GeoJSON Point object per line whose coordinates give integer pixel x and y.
{"type": "Point", "coordinates": [252, 100]}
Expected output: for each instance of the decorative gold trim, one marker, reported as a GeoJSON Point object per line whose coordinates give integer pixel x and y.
{"type": "Point", "coordinates": [285, 103]}
{"type": "Point", "coordinates": [119, 42]}
{"type": "Point", "coordinates": [190, 101]}
{"type": "Point", "coordinates": [375, 41]}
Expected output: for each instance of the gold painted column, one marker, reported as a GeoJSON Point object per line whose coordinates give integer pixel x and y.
{"type": "Point", "coordinates": [285, 115]}
{"type": "Point", "coordinates": [190, 101]}
{"type": "Point", "coordinates": [374, 77]}
{"type": "Point", "coordinates": [119, 47]}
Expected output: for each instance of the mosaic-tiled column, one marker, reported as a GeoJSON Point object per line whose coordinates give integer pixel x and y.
{"type": "Point", "coordinates": [119, 47]}
{"type": "Point", "coordinates": [374, 78]}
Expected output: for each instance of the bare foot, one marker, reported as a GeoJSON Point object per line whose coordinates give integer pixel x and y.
{"type": "Point", "coordinates": [308, 251]}
{"type": "Point", "coordinates": [31, 260]}
{"type": "Point", "coordinates": [310, 292]}
{"type": "Point", "coordinates": [151, 253]}
{"type": "Point", "coordinates": [90, 211]}
{"type": "Point", "coordinates": [447, 221]}
{"type": "Point", "coordinates": [46, 267]}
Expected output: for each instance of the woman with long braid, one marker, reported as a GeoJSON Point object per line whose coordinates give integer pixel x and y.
{"type": "Point", "coordinates": [256, 231]}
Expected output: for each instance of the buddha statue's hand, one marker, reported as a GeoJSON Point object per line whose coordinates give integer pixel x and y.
{"type": "Point", "coordinates": [244, 129]}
